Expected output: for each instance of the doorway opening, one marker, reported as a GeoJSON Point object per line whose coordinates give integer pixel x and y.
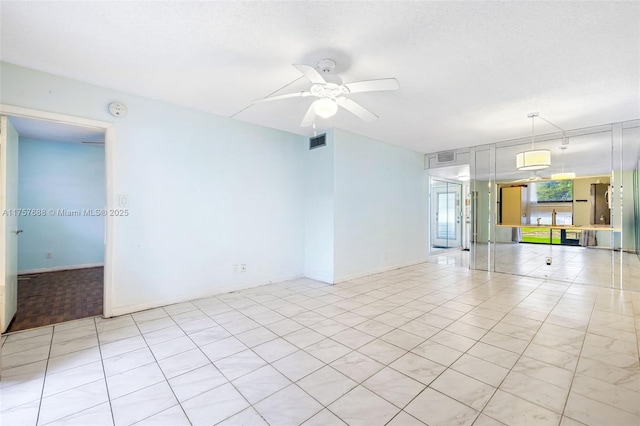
{"type": "Point", "coordinates": [446, 214]}
{"type": "Point", "coordinates": [450, 208]}
{"type": "Point", "coordinates": [56, 260]}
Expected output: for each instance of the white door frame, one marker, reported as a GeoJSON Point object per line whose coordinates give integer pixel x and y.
{"type": "Point", "coordinates": [459, 210]}
{"type": "Point", "coordinates": [109, 149]}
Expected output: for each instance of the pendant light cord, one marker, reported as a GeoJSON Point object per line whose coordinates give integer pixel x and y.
{"type": "Point", "coordinates": [533, 116]}
{"type": "Point", "coordinates": [564, 132]}
{"type": "Point", "coordinates": [533, 119]}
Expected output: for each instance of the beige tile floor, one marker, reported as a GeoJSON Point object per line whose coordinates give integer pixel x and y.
{"type": "Point", "coordinates": [434, 344]}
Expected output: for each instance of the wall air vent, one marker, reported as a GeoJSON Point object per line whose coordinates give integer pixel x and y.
{"type": "Point", "coordinates": [318, 141]}
{"type": "Point", "coordinates": [446, 157]}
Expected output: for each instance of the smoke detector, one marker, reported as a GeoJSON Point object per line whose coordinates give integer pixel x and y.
{"type": "Point", "coordinates": [117, 109]}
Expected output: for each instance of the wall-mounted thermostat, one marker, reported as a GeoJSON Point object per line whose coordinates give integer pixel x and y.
{"type": "Point", "coordinates": [117, 109]}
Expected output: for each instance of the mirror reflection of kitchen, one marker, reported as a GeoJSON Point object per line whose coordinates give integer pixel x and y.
{"type": "Point", "coordinates": [591, 187]}
{"type": "Point", "coordinates": [586, 224]}
{"type": "Point", "coordinates": [600, 206]}
{"type": "Point", "coordinates": [580, 202]}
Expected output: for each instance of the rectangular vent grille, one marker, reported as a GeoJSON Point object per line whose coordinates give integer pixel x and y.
{"type": "Point", "coordinates": [318, 141]}
{"type": "Point", "coordinates": [446, 156]}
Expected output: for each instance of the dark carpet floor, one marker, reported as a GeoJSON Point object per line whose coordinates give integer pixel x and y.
{"type": "Point", "coordinates": [54, 297]}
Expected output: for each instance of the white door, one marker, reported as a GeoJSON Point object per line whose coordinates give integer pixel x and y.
{"type": "Point", "coordinates": [8, 222]}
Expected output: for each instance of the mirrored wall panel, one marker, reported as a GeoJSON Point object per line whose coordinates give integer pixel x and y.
{"type": "Point", "coordinates": [569, 218]}
{"type": "Point", "coordinates": [562, 206]}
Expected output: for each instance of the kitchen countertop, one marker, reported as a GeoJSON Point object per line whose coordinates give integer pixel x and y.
{"type": "Point", "coordinates": [575, 227]}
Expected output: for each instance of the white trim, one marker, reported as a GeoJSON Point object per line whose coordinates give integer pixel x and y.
{"type": "Point", "coordinates": [109, 167]}
{"type": "Point", "coordinates": [59, 268]}
{"type": "Point", "coordinates": [109, 153]}
{"type": "Point", "coordinates": [123, 310]}
{"type": "Point", "coordinates": [17, 111]}
{"type": "Point", "coordinates": [378, 271]}
{"type": "Point", "coordinates": [320, 277]}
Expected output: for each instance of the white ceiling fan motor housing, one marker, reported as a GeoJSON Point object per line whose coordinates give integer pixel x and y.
{"type": "Point", "coordinates": [328, 90]}
{"type": "Point", "coordinates": [326, 65]}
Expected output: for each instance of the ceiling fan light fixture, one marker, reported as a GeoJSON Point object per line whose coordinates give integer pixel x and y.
{"type": "Point", "coordinates": [331, 92]}
{"type": "Point", "coordinates": [325, 107]}
{"type": "Point", "coordinates": [536, 159]}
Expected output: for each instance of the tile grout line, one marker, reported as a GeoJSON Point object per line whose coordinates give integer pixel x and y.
{"type": "Point", "coordinates": [376, 338]}
{"type": "Point", "coordinates": [573, 377]}
{"type": "Point", "coordinates": [44, 378]}
{"type": "Point", "coordinates": [529, 344]}
{"type": "Point", "coordinates": [306, 326]}
{"type": "Point", "coordinates": [74, 387]}
{"type": "Point", "coordinates": [106, 384]}
{"type": "Point", "coordinates": [303, 350]}
{"type": "Point", "coordinates": [428, 386]}
{"type": "Point", "coordinates": [148, 347]}
{"type": "Point", "coordinates": [466, 352]}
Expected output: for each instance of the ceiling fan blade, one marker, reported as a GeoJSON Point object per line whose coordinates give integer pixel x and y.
{"type": "Point", "coordinates": [534, 178]}
{"type": "Point", "coordinates": [373, 85]}
{"type": "Point", "coordinates": [357, 110]}
{"type": "Point", "coordinates": [309, 116]}
{"type": "Point", "coordinates": [312, 74]}
{"type": "Point", "coordinates": [278, 97]}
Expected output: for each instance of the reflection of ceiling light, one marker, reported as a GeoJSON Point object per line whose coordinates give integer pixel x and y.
{"type": "Point", "coordinates": [535, 159]}
{"type": "Point", "coordinates": [325, 107]}
{"type": "Point", "coordinates": [563, 175]}
{"type": "Point", "coordinates": [463, 177]}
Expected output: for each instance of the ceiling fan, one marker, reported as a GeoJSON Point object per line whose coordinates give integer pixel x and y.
{"type": "Point", "coordinates": [333, 93]}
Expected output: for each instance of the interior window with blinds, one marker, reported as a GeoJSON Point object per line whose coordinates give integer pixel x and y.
{"type": "Point", "coordinates": [551, 195]}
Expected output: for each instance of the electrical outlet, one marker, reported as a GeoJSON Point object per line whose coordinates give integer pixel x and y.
{"type": "Point", "coordinates": [243, 268]}
{"type": "Point", "coordinates": [123, 200]}
{"type": "Point", "coordinates": [548, 260]}
{"type": "Point", "coordinates": [235, 269]}
{"type": "Point", "coordinates": [48, 255]}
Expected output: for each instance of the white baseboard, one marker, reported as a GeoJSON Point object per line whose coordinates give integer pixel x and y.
{"type": "Point", "coordinates": [319, 277]}
{"type": "Point", "coordinates": [59, 268]}
{"type": "Point", "coordinates": [378, 271]}
{"type": "Point", "coordinates": [123, 310]}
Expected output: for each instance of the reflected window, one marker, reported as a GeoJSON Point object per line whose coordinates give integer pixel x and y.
{"type": "Point", "coordinates": [545, 197]}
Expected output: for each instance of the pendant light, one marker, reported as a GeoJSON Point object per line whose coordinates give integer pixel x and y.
{"type": "Point", "coordinates": [534, 159]}
{"type": "Point", "coordinates": [563, 175]}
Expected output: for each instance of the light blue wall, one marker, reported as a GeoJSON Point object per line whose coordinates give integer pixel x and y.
{"type": "Point", "coordinates": [380, 206]}
{"type": "Point", "coordinates": [205, 192]}
{"type": "Point", "coordinates": [60, 176]}
{"type": "Point", "coordinates": [319, 224]}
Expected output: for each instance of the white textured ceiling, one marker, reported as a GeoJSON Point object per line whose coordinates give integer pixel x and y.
{"type": "Point", "coordinates": [469, 71]}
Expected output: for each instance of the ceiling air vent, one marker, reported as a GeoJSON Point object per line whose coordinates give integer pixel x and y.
{"type": "Point", "coordinates": [318, 141]}
{"type": "Point", "coordinates": [446, 157]}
